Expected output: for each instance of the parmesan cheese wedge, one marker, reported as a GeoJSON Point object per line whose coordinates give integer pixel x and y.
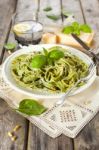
{"type": "Point", "coordinates": [61, 38]}
{"type": "Point", "coordinates": [69, 40]}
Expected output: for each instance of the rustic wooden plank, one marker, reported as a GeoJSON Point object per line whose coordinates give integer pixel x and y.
{"type": "Point", "coordinates": [56, 10]}
{"type": "Point", "coordinates": [75, 10]}
{"type": "Point", "coordinates": [38, 140]}
{"type": "Point", "coordinates": [89, 137]}
{"type": "Point", "coordinates": [91, 15]}
{"type": "Point", "coordinates": [30, 7]}
{"type": "Point", "coordinates": [7, 8]}
{"type": "Point", "coordinates": [8, 118]}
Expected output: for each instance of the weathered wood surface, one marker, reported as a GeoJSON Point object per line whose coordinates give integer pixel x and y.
{"type": "Point", "coordinates": [9, 118]}
{"type": "Point", "coordinates": [88, 139]}
{"type": "Point", "coordinates": [73, 6]}
{"type": "Point", "coordinates": [7, 7]}
{"type": "Point", "coordinates": [56, 10]}
{"type": "Point", "coordinates": [35, 139]}
{"type": "Point", "coordinates": [41, 141]}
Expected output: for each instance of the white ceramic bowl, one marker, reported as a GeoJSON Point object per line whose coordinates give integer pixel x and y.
{"type": "Point", "coordinates": [10, 80]}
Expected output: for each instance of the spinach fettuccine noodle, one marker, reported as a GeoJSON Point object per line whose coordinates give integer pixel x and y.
{"type": "Point", "coordinates": [57, 73]}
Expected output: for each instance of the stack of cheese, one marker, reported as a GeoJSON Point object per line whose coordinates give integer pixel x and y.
{"type": "Point", "coordinates": [66, 39]}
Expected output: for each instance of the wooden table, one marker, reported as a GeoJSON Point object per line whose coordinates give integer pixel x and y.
{"type": "Point", "coordinates": [30, 137]}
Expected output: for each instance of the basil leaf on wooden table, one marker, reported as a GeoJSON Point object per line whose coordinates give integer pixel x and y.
{"type": "Point", "coordinates": [47, 8]}
{"type": "Point", "coordinates": [10, 46]}
{"type": "Point", "coordinates": [53, 17]}
{"type": "Point", "coordinates": [31, 107]}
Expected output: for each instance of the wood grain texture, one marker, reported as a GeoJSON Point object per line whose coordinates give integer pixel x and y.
{"type": "Point", "coordinates": [56, 10]}
{"type": "Point", "coordinates": [88, 139]}
{"type": "Point", "coordinates": [31, 8]}
{"type": "Point", "coordinates": [7, 8]}
{"type": "Point", "coordinates": [91, 14]}
{"type": "Point", "coordinates": [73, 6]}
{"type": "Point", "coordinates": [38, 140]}
{"type": "Point", "coordinates": [8, 117]}
{"type": "Point", "coordinates": [8, 120]}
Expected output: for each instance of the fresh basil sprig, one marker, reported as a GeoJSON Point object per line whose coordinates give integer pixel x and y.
{"type": "Point", "coordinates": [76, 28]}
{"type": "Point", "coordinates": [47, 8]}
{"type": "Point", "coordinates": [48, 58]}
{"type": "Point", "coordinates": [31, 107]}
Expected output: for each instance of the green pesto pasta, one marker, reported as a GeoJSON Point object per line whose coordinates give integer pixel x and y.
{"type": "Point", "coordinates": [56, 77]}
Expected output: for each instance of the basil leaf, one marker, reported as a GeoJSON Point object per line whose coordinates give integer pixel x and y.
{"type": "Point", "coordinates": [50, 61]}
{"type": "Point", "coordinates": [75, 24]}
{"type": "Point", "coordinates": [56, 54]}
{"type": "Point", "coordinates": [10, 46]}
{"type": "Point", "coordinates": [77, 32]}
{"type": "Point", "coordinates": [38, 61]}
{"type": "Point", "coordinates": [68, 30]}
{"type": "Point", "coordinates": [31, 107]}
{"type": "Point", "coordinates": [76, 28]}
{"type": "Point", "coordinates": [47, 8]}
{"type": "Point", "coordinates": [53, 17]}
{"type": "Point", "coordinates": [85, 28]}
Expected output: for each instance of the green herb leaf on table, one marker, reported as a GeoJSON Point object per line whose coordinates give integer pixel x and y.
{"type": "Point", "coordinates": [38, 61]}
{"type": "Point", "coordinates": [76, 28]}
{"type": "Point", "coordinates": [31, 107]}
{"type": "Point", "coordinates": [47, 8]}
{"type": "Point", "coordinates": [53, 17]}
{"type": "Point", "coordinates": [10, 46]}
